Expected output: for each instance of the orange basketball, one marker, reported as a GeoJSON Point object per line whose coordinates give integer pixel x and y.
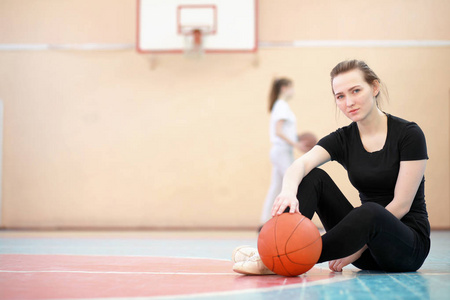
{"type": "Point", "coordinates": [289, 244]}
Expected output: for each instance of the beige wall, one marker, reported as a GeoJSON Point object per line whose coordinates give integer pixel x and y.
{"type": "Point", "coordinates": [98, 139]}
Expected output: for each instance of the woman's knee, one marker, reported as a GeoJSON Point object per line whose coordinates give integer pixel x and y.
{"type": "Point", "coordinates": [372, 208]}
{"type": "Point", "coordinates": [315, 175]}
{"type": "Point", "coordinates": [370, 214]}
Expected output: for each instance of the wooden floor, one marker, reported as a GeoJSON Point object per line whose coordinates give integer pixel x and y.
{"type": "Point", "coordinates": [179, 265]}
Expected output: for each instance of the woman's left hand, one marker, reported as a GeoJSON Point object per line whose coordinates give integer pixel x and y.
{"type": "Point", "coordinates": [338, 264]}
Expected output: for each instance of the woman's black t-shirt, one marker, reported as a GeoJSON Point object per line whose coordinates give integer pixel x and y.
{"type": "Point", "coordinates": [374, 174]}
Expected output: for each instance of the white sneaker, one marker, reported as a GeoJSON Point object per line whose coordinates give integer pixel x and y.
{"type": "Point", "coordinates": [252, 266]}
{"type": "Point", "coordinates": [243, 253]}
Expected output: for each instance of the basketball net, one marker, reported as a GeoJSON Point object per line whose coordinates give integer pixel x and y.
{"type": "Point", "coordinates": [193, 43]}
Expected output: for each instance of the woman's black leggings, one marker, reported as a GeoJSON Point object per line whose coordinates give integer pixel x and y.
{"type": "Point", "coordinates": [392, 245]}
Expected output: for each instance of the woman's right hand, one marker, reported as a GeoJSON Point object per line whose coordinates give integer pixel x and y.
{"type": "Point", "coordinates": [283, 201]}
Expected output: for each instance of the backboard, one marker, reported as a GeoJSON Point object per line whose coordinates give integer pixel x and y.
{"type": "Point", "coordinates": [218, 26]}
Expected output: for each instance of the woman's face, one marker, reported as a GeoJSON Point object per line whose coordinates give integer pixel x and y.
{"type": "Point", "coordinates": [354, 96]}
{"type": "Point", "coordinates": [287, 91]}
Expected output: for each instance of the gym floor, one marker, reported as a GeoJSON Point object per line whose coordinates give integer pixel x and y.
{"type": "Point", "coordinates": [187, 265]}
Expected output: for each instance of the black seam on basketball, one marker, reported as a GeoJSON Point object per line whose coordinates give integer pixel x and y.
{"type": "Point", "coordinates": [275, 235]}
{"type": "Point", "coordinates": [297, 264]}
{"type": "Point", "coordinates": [276, 246]}
{"type": "Point", "coordinates": [287, 240]}
{"type": "Point", "coordinates": [299, 250]}
{"type": "Point", "coordinates": [281, 262]}
{"type": "Point", "coordinates": [320, 237]}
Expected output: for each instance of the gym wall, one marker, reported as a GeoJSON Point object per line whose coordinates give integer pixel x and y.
{"type": "Point", "coordinates": [98, 139]}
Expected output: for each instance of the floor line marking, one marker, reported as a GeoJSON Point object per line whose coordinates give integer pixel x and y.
{"type": "Point", "coordinates": [114, 255]}
{"type": "Point", "coordinates": [202, 273]}
{"type": "Point", "coordinates": [117, 272]}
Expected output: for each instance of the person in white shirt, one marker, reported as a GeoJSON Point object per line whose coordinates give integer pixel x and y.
{"type": "Point", "coordinates": [283, 136]}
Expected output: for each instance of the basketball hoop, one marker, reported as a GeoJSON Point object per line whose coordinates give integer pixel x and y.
{"type": "Point", "coordinates": [193, 27]}
{"type": "Point", "coordinates": [193, 43]}
{"type": "Point", "coordinates": [194, 22]}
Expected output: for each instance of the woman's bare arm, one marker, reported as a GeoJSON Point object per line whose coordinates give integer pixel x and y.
{"type": "Point", "coordinates": [408, 181]}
